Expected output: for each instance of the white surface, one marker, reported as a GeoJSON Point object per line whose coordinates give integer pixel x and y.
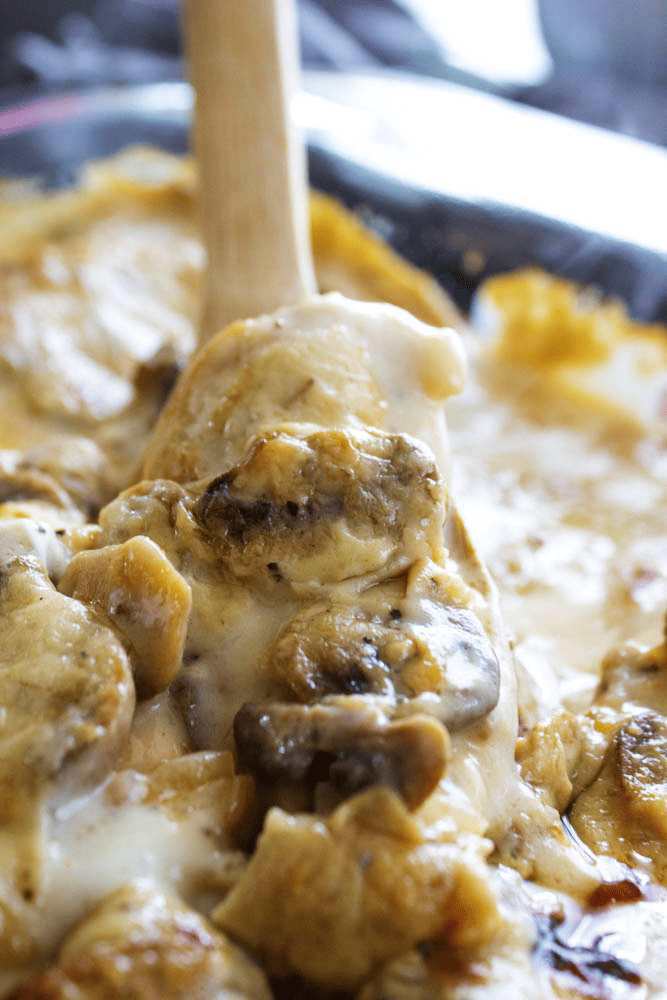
{"type": "Point", "coordinates": [497, 41]}
{"type": "Point", "coordinates": [478, 148]}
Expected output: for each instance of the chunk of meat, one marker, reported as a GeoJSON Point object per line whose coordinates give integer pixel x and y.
{"type": "Point", "coordinates": [333, 900]}
{"type": "Point", "coordinates": [354, 744]}
{"type": "Point", "coordinates": [65, 687]}
{"type": "Point", "coordinates": [186, 783]}
{"type": "Point", "coordinates": [21, 481]}
{"type": "Point", "coordinates": [135, 588]}
{"type": "Point", "coordinates": [631, 675]}
{"type": "Point", "coordinates": [563, 754]}
{"type": "Point", "coordinates": [67, 698]}
{"type": "Point", "coordinates": [140, 943]}
{"type": "Point", "coordinates": [330, 361]}
{"type": "Point", "coordinates": [314, 507]}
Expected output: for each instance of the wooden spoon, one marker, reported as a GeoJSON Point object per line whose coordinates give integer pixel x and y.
{"type": "Point", "coordinates": [244, 66]}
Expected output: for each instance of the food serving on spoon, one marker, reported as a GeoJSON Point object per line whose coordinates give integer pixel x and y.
{"type": "Point", "coordinates": [261, 711]}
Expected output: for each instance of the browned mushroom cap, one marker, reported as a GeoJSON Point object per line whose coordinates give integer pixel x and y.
{"type": "Point", "coordinates": [315, 507]}
{"type": "Point", "coordinates": [356, 743]}
{"type": "Point", "coordinates": [435, 653]}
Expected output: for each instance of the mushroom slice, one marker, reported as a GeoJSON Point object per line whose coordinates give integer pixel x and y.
{"type": "Point", "coordinates": [424, 655]}
{"type": "Point", "coordinates": [334, 899]}
{"type": "Point", "coordinates": [641, 748]}
{"type": "Point", "coordinates": [350, 745]}
{"type": "Point", "coordinates": [317, 506]}
{"type": "Point", "coordinates": [140, 943]}
{"type": "Point", "coordinates": [623, 812]}
{"type": "Point", "coordinates": [147, 601]}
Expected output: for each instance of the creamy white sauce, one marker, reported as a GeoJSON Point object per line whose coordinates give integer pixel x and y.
{"type": "Point", "coordinates": [572, 526]}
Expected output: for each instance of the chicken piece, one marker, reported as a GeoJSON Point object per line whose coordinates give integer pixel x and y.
{"type": "Point", "coordinates": [140, 943]}
{"type": "Point", "coordinates": [631, 675]}
{"type": "Point", "coordinates": [65, 687]}
{"type": "Point", "coordinates": [136, 589]}
{"type": "Point", "coordinates": [79, 466]}
{"type": "Point", "coordinates": [21, 481]}
{"type": "Point", "coordinates": [316, 507]}
{"type": "Point", "coordinates": [356, 747]}
{"type": "Point", "coordinates": [333, 900]}
{"type": "Point", "coordinates": [329, 362]}
{"type": "Point", "coordinates": [67, 698]}
{"type": "Point", "coordinates": [563, 754]}
{"type": "Point", "coordinates": [196, 780]}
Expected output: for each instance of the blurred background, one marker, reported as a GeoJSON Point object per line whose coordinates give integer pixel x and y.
{"type": "Point", "coordinates": [598, 61]}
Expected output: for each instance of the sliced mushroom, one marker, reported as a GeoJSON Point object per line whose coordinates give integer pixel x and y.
{"type": "Point", "coordinates": [641, 753]}
{"type": "Point", "coordinates": [137, 590]}
{"type": "Point", "coordinates": [623, 812]}
{"type": "Point", "coordinates": [140, 943]}
{"type": "Point", "coordinates": [314, 507]}
{"type": "Point", "coordinates": [350, 746]}
{"type": "Point", "coordinates": [333, 900]}
{"type": "Point", "coordinates": [418, 651]}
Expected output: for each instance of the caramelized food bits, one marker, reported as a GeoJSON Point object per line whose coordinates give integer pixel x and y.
{"type": "Point", "coordinates": [136, 589]}
{"type": "Point", "coordinates": [139, 942]}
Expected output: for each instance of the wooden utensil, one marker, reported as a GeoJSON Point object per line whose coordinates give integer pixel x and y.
{"type": "Point", "coordinates": [244, 67]}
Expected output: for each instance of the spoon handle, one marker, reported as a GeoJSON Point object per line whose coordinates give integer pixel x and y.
{"type": "Point", "coordinates": [243, 59]}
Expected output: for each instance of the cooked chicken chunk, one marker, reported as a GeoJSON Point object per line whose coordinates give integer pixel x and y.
{"type": "Point", "coordinates": [330, 362]}
{"type": "Point", "coordinates": [631, 675]}
{"type": "Point", "coordinates": [623, 812]}
{"type": "Point", "coordinates": [140, 943]}
{"type": "Point", "coordinates": [332, 900]}
{"type": "Point", "coordinates": [135, 589]}
{"type": "Point", "coordinates": [65, 687]}
{"type": "Point", "coordinates": [66, 697]}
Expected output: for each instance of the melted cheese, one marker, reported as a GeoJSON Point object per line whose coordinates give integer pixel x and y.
{"type": "Point", "coordinates": [559, 469]}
